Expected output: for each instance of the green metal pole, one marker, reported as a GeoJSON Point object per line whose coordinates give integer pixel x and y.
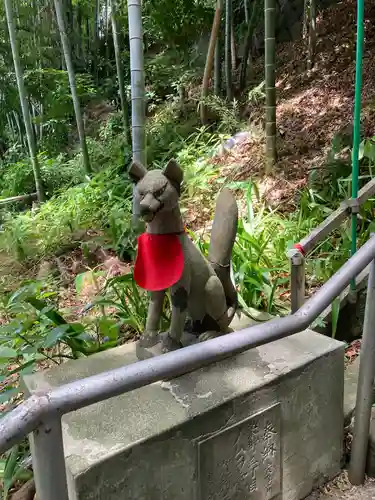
{"type": "Point", "coordinates": [357, 121]}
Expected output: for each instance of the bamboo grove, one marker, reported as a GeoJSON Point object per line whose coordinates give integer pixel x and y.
{"type": "Point", "coordinates": [56, 56]}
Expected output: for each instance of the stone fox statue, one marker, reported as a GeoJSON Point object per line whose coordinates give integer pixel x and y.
{"type": "Point", "coordinates": [202, 292]}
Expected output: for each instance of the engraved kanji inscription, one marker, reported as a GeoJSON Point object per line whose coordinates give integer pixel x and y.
{"type": "Point", "coordinates": [242, 462]}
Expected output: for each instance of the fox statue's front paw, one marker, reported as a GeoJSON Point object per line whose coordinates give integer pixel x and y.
{"type": "Point", "coordinates": [149, 338]}
{"type": "Point", "coordinates": [168, 343]}
{"type": "Point", "coordinates": [209, 335]}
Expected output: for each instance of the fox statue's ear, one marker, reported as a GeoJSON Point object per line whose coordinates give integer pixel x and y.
{"type": "Point", "coordinates": [137, 171]}
{"type": "Point", "coordinates": [173, 172]}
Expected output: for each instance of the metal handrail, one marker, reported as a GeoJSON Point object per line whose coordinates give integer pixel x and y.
{"type": "Point", "coordinates": [338, 216]}
{"type": "Point", "coordinates": [41, 413]}
{"type": "Point", "coordinates": [307, 244]}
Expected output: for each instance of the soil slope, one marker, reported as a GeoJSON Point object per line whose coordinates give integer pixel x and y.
{"type": "Point", "coordinates": [313, 106]}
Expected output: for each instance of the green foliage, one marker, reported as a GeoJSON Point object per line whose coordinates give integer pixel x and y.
{"type": "Point", "coordinates": [176, 23]}
{"type": "Point", "coordinates": [51, 100]}
{"type": "Point", "coordinates": [128, 304]}
{"type": "Point", "coordinates": [35, 328]}
{"type": "Point", "coordinates": [194, 159]}
{"type": "Point", "coordinates": [41, 231]}
{"type": "Point", "coordinates": [122, 235]}
{"type": "Point", "coordinates": [13, 468]}
{"type": "Point", "coordinates": [167, 132]}
{"type": "Point", "coordinates": [112, 128]}
{"type": "Point", "coordinates": [333, 179]}
{"type": "Point", "coordinates": [259, 260]}
{"type": "Point", "coordinates": [335, 315]}
{"type": "Point", "coordinates": [330, 184]}
{"type": "Point", "coordinates": [104, 204]}
{"type": "Point", "coordinates": [260, 263]}
{"type": "Point", "coordinates": [227, 114]}
{"type": "Point", "coordinates": [165, 72]}
{"type": "Point", "coordinates": [257, 95]}
{"type": "Point", "coordinates": [57, 173]}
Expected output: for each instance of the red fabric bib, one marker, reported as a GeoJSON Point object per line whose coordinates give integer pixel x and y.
{"type": "Point", "coordinates": [159, 262]}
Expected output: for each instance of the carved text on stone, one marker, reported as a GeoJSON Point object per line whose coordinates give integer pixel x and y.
{"type": "Point", "coordinates": [242, 462]}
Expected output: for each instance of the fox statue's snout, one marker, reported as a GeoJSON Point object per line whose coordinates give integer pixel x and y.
{"type": "Point", "coordinates": [148, 207]}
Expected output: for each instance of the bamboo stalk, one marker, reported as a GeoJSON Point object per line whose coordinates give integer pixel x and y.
{"type": "Point", "coordinates": [246, 9]}
{"type": "Point", "coordinates": [312, 35]}
{"type": "Point", "coordinates": [270, 80]}
{"type": "Point", "coordinates": [233, 48]}
{"type": "Point", "coordinates": [228, 49]}
{"type": "Point", "coordinates": [24, 101]}
{"type": "Point", "coordinates": [210, 60]}
{"type": "Point", "coordinates": [217, 68]}
{"type": "Point", "coordinates": [255, 14]}
{"type": "Point", "coordinates": [120, 75]}
{"type": "Point", "coordinates": [73, 87]}
{"type": "Point", "coordinates": [137, 80]}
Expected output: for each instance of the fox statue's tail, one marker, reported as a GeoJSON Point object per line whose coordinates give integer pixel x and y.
{"type": "Point", "coordinates": [223, 235]}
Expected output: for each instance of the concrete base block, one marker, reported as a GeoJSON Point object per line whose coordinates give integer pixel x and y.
{"type": "Point", "coordinates": [265, 424]}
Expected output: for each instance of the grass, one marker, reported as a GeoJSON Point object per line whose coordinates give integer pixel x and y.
{"type": "Point", "coordinates": [40, 232]}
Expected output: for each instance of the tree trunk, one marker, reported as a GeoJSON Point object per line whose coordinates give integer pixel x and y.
{"type": "Point", "coordinates": [24, 101]}
{"type": "Point", "coordinates": [246, 8]}
{"type": "Point", "coordinates": [210, 60]}
{"type": "Point", "coordinates": [312, 35]}
{"type": "Point", "coordinates": [228, 53]}
{"type": "Point", "coordinates": [80, 49]}
{"type": "Point", "coordinates": [270, 63]}
{"type": "Point", "coordinates": [107, 7]}
{"type": "Point", "coordinates": [17, 121]}
{"type": "Point", "coordinates": [67, 6]}
{"type": "Point", "coordinates": [305, 18]}
{"type": "Point", "coordinates": [120, 76]}
{"type": "Point", "coordinates": [73, 88]}
{"type": "Point", "coordinates": [88, 47]}
{"type": "Point", "coordinates": [251, 27]}
{"type": "Point", "coordinates": [96, 41]}
{"type": "Point", "coordinates": [217, 68]}
{"type": "Point", "coordinates": [233, 48]}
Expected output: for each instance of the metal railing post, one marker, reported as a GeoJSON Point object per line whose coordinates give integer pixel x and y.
{"type": "Point", "coordinates": [49, 461]}
{"type": "Point", "coordinates": [366, 376]}
{"type": "Point", "coordinates": [297, 279]}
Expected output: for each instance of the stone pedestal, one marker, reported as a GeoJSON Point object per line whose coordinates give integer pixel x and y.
{"type": "Point", "coordinates": [265, 424]}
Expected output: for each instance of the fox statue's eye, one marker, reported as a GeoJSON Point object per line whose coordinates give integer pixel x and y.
{"type": "Point", "coordinates": [160, 191]}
